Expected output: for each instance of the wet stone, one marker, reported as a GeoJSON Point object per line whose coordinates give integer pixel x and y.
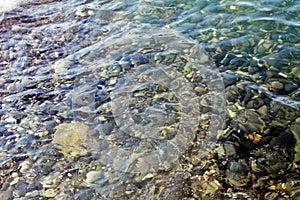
{"type": "Point", "coordinates": [276, 85]}
{"type": "Point", "coordinates": [70, 138]}
{"type": "Point", "coordinates": [20, 189]}
{"type": "Point", "coordinates": [250, 121]}
{"type": "Point", "coordinates": [295, 128]}
{"type": "Point", "coordinates": [238, 173]}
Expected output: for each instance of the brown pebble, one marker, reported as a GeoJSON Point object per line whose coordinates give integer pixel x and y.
{"type": "Point", "coordinates": [276, 85]}
{"type": "Point", "coordinates": [271, 182]}
{"type": "Point", "coordinates": [272, 187]}
{"type": "Point", "coordinates": [38, 61]}
{"type": "Point", "coordinates": [229, 190]}
{"type": "Point", "coordinates": [200, 90]}
{"type": "Point", "coordinates": [65, 53]}
{"type": "Point", "coordinates": [255, 137]}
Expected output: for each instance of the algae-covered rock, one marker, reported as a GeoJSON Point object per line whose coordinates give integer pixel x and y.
{"type": "Point", "coordinates": [70, 137]}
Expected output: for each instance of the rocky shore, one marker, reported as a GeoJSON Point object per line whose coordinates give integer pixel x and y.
{"type": "Point", "coordinates": [150, 100]}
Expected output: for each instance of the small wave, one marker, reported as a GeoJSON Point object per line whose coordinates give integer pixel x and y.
{"type": "Point", "coordinates": [267, 19]}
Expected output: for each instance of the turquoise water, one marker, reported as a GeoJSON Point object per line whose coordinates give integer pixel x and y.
{"type": "Point", "coordinates": [182, 99]}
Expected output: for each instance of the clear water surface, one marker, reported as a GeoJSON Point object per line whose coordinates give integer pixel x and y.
{"type": "Point", "coordinates": [167, 99]}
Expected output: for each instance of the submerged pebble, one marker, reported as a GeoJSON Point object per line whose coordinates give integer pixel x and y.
{"type": "Point", "coordinates": [70, 138]}
{"type": "Point", "coordinates": [295, 128]}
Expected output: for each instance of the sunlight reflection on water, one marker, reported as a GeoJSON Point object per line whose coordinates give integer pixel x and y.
{"type": "Point", "coordinates": [8, 5]}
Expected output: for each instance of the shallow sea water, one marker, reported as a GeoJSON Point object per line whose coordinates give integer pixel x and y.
{"type": "Point", "coordinates": [144, 99]}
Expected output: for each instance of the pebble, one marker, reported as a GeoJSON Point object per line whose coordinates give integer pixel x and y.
{"type": "Point", "coordinates": [210, 187]}
{"type": "Point", "coordinates": [49, 193]}
{"type": "Point", "coordinates": [70, 138]}
{"type": "Point", "coordinates": [93, 176]}
{"type": "Point", "coordinates": [276, 85]}
{"type": "Point", "coordinates": [6, 195]}
{"type": "Point", "coordinates": [24, 166]}
{"type": "Point", "coordinates": [296, 72]}
{"type": "Point", "coordinates": [60, 67]}
{"type": "Point", "coordinates": [112, 81]}
{"type": "Point", "coordinates": [200, 90]}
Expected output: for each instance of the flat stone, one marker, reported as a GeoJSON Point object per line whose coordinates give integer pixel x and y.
{"type": "Point", "coordinates": [70, 138]}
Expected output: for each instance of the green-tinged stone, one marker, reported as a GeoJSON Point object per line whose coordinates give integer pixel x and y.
{"type": "Point", "coordinates": [114, 70]}
{"type": "Point", "coordinates": [296, 72]}
{"type": "Point", "coordinates": [70, 137]}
